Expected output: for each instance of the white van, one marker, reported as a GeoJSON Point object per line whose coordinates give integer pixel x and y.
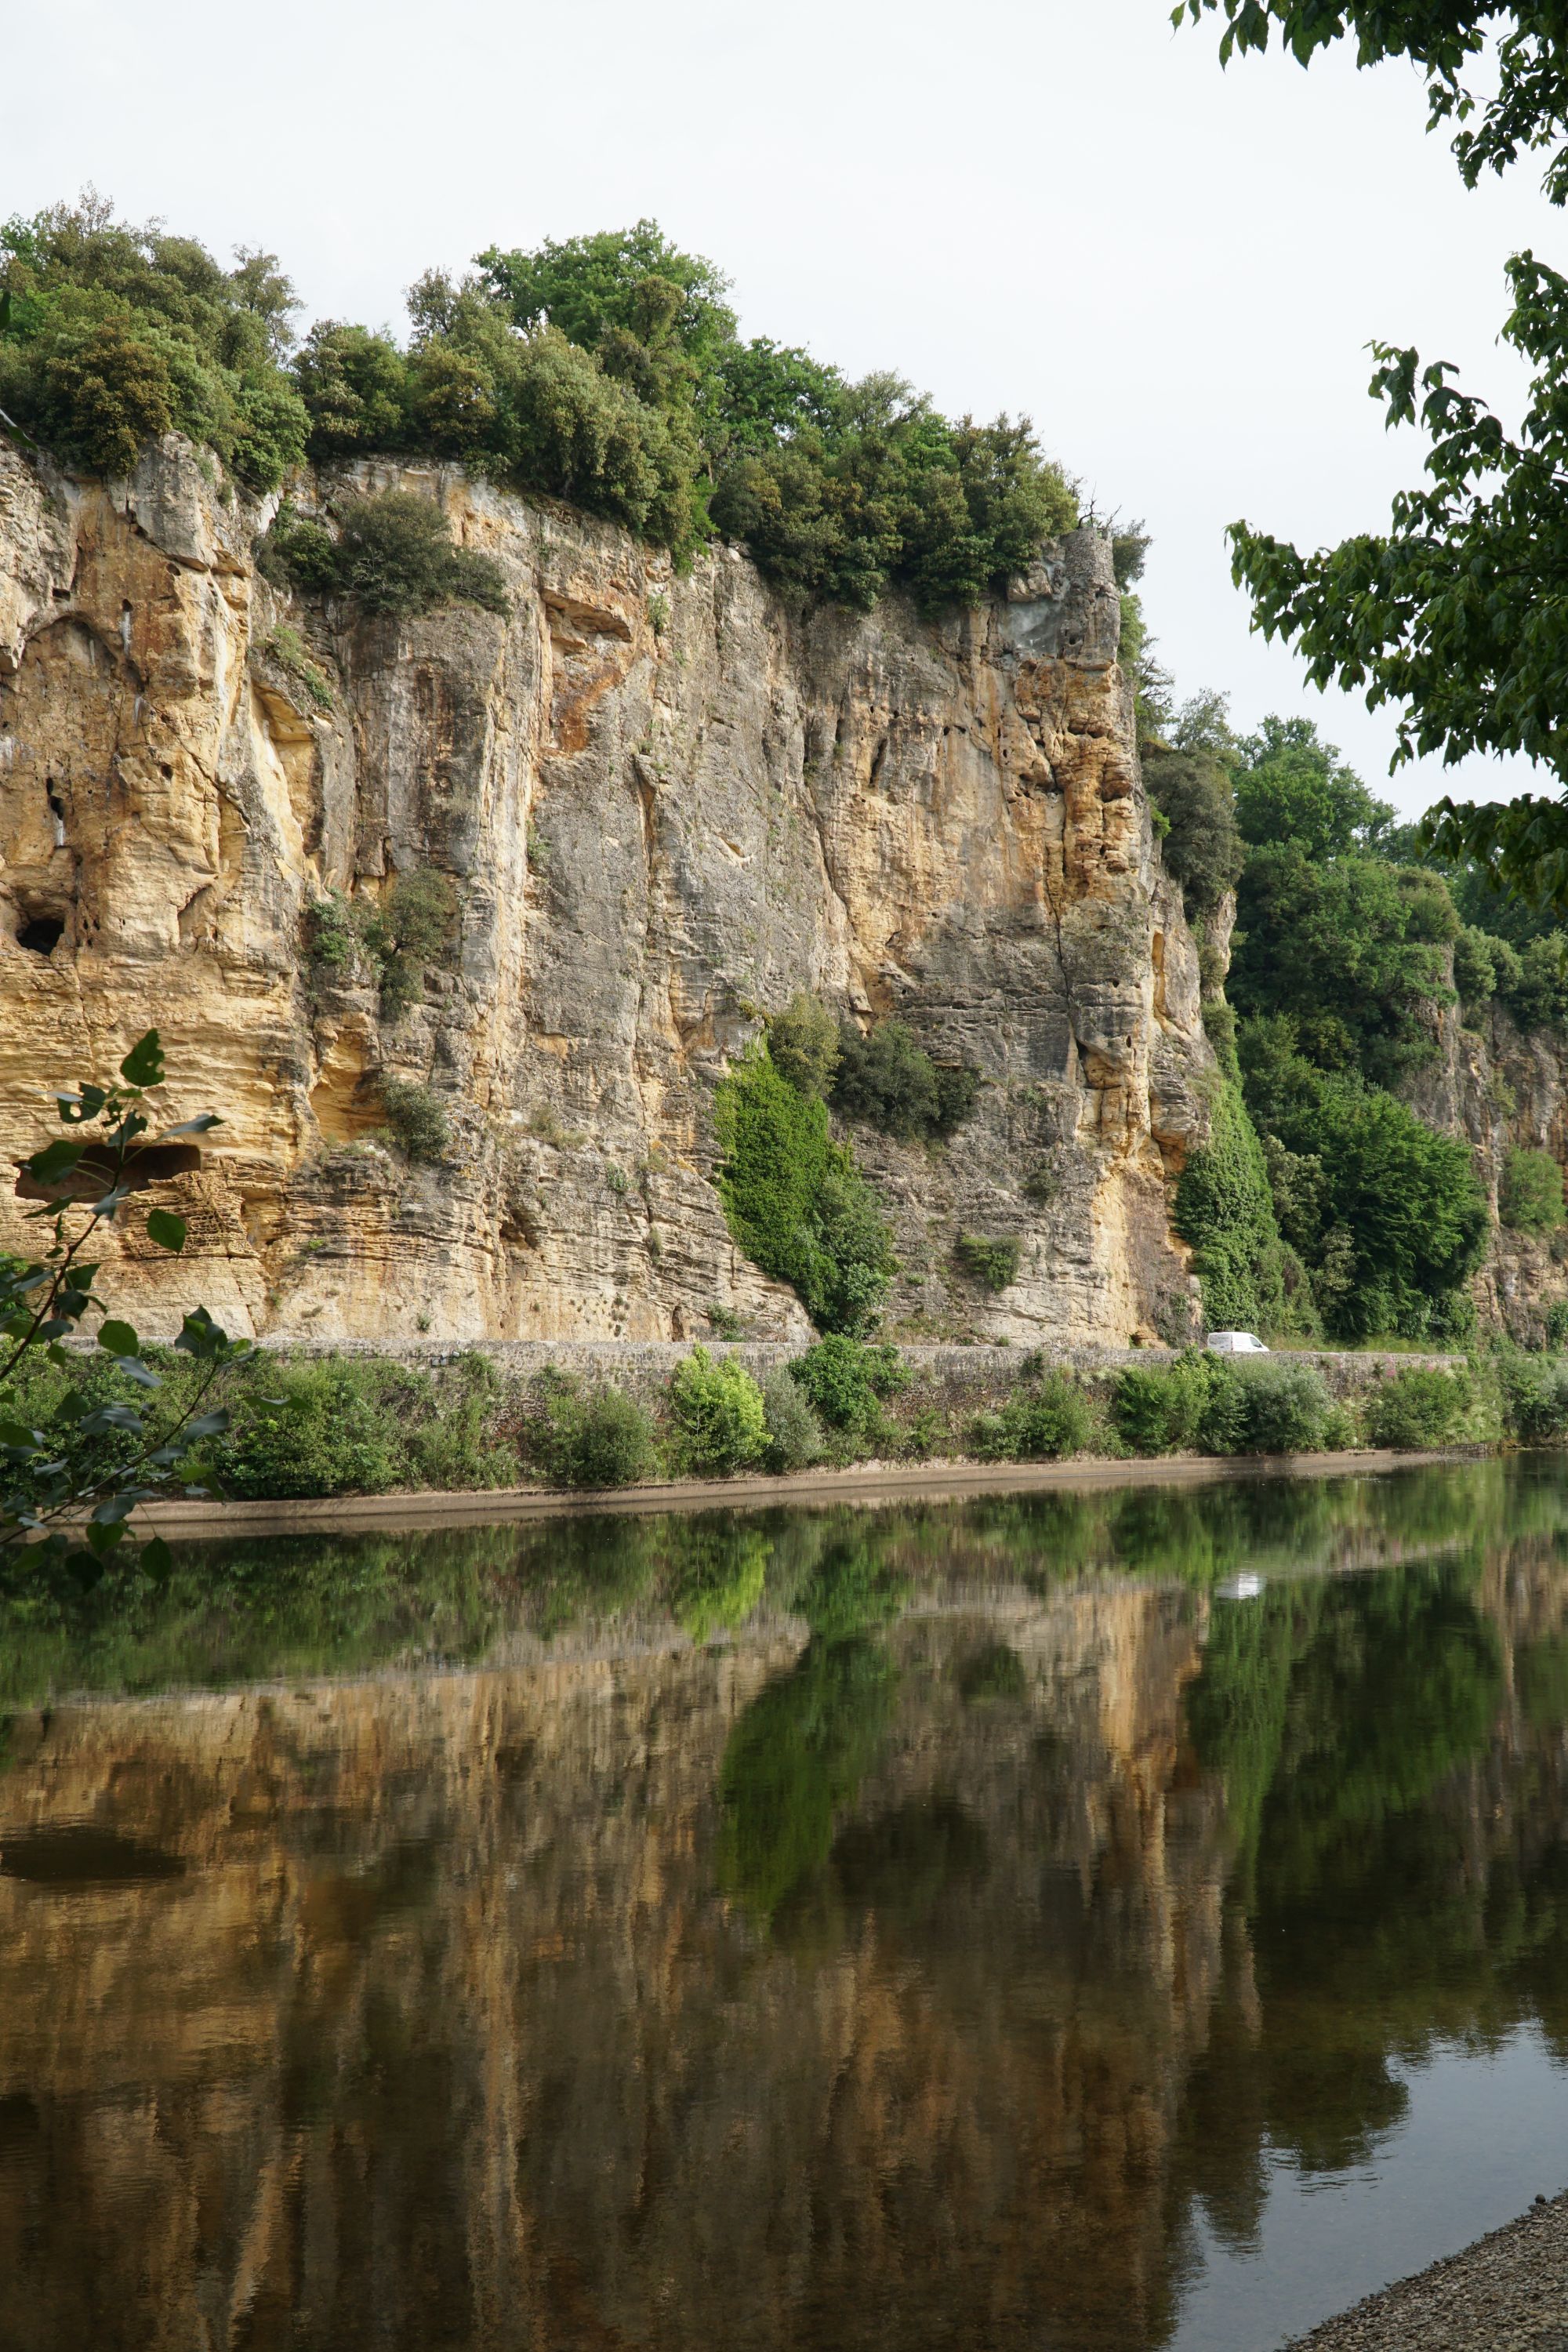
{"type": "Point", "coordinates": [1237, 1343]}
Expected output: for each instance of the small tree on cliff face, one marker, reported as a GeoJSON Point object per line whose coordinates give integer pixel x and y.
{"type": "Point", "coordinates": [53, 1475]}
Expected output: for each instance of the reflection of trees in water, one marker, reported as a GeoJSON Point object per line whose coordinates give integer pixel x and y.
{"type": "Point", "coordinates": [864, 1981]}
{"type": "Point", "coordinates": [342, 1603]}
{"type": "Point", "coordinates": [1399, 1878]}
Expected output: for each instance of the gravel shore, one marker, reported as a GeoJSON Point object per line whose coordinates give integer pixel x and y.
{"type": "Point", "coordinates": [1507, 2293]}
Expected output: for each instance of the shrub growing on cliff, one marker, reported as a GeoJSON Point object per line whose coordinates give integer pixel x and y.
{"type": "Point", "coordinates": [396, 938]}
{"type": "Point", "coordinates": [392, 554]}
{"type": "Point", "coordinates": [110, 334]}
{"type": "Point", "coordinates": [1224, 1210]}
{"type": "Point", "coordinates": [1203, 845]}
{"type": "Point", "coordinates": [419, 1125]}
{"type": "Point", "coordinates": [990, 1259]}
{"type": "Point", "coordinates": [1529, 1196]}
{"type": "Point", "coordinates": [892, 1083]}
{"type": "Point", "coordinates": [605, 369]}
{"type": "Point", "coordinates": [795, 1201]}
{"type": "Point", "coordinates": [804, 1044]}
{"type": "Point", "coordinates": [716, 1410]}
{"type": "Point", "coordinates": [414, 926]}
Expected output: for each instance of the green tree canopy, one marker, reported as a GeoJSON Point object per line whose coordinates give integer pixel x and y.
{"type": "Point", "coordinates": [110, 334]}
{"type": "Point", "coordinates": [1292, 786]}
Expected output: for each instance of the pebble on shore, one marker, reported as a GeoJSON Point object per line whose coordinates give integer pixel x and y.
{"type": "Point", "coordinates": [1507, 2293]}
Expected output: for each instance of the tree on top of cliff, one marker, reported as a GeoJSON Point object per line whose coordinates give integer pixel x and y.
{"type": "Point", "coordinates": [606, 371]}
{"type": "Point", "coordinates": [110, 334]}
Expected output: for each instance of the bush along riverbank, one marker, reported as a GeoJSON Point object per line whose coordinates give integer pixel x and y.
{"type": "Point", "coordinates": [352, 1424]}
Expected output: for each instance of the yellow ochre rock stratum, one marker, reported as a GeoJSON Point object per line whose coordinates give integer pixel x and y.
{"type": "Point", "coordinates": [663, 805]}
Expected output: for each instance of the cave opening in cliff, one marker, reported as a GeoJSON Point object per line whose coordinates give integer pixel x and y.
{"type": "Point", "coordinates": [41, 935]}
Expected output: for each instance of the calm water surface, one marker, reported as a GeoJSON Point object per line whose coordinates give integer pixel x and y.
{"type": "Point", "coordinates": [1123, 1921]}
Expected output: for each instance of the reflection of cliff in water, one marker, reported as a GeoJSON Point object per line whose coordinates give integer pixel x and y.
{"type": "Point", "coordinates": [895, 1974]}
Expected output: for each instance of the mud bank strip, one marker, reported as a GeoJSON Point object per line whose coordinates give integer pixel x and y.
{"type": "Point", "coordinates": [868, 1483]}
{"type": "Point", "coordinates": [1507, 2293]}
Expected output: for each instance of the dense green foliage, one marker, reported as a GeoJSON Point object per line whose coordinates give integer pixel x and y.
{"type": "Point", "coordinates": [797, 1202]}
{"type": "Point", "coordinates": [848, 1383]}
{"type": "Point", "coordinates": [1421, 1406]}
{"type": "Point", "coordinates": [989, 1259]}
{"type": "Point", "coordinates": [1046, 1416]}
{"type": "Point", "coordinates": [392, 554]}
{"type": "Point", "coordinates": [795, 1434]}
{"type": "Point", "coordinates": [1227, 1405]}
{"type": "Point", "coordinates": [417, 1120]}
{"type": "Point", "coordinates": [1225, 1208]}
{"type": "Point", "coordinates": [1320, 1202]}
{"type": "Point", "coordinates": [884, 1079]}
{"type": "Point", "coordinates": [597, 1437]}
{"type": "Point", "coordinates": [1330, 931]}
{"type": "Point", "coordinates": [891, 493]}
{"type": "Point", "coordinates": [716, 1410]}
{"type": "Point", "coordinates": [804, 1044]}
{"type": "Point", "coordinates": [608, 370]}
{"type": "Point", "coordinates": [1387, 1213]}
{"type": "Point", "coordinates": [1529, 1196]}
{"type": "Point", "coordinates": [110, 335]}
{"type": "Point", "coordinates": [1188, 757]}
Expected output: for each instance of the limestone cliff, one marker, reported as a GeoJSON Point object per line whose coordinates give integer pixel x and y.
{"type": "Point", "coordinates": [667, 802]}
{"type": "Point", "coordinates": [1501, 1088]}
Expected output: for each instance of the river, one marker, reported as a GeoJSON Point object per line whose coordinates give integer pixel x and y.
{"type": "Point", "coordinates": [1125, 1920]}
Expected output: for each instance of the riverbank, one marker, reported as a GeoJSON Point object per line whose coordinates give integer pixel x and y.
{"type": "Point", "coordinates": [867, 1484]}
{"type": "Point", "coordinates": [1506, 2293]}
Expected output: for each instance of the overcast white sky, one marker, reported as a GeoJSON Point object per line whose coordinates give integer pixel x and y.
{"type": "Point", "coordinates": [1056, 206]}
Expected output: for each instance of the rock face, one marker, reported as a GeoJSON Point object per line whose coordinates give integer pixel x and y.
{"type": "Point", "coordinates": [411, 2012]}
{"type": "Point", "coordinates": [1503, 1088]}
{"type": "Point", "coordinates": [667, 804]}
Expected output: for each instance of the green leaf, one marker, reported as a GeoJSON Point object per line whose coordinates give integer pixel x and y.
{"type": "Point", "coordinates": [118, 1339]}
{"type": "Point", "coordinates": [76, 1109]}
{"type": "Point", "coordinates": [167, 1230]}
{"type": "Point", "coordinates": [208, 1424]}
{"type": "Point", "coordinates": [143, 1374]}
{"type": "Point", "coordinates": [15, 1434]}
{"type": "Point", "coordinates": [157, 1559]}
{"type": "Point", "coordinates": [201, 1337]}
{"type": "Point", "coordinates": [105, 1417]}
{"type": "Point", "coordinates": [209, 1118]}
{"type": "Point", "coordinates": [113, 1510]}
{"type": "Point", "coordinates": [143, 1065]}
{"type": "Point", "coordinates": [54, 1161]}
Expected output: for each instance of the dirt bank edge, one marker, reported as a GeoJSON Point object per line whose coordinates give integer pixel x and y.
{"type": "Point", "coordinates": [868, 1483]}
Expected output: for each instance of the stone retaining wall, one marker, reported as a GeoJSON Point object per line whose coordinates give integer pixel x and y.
{"type": "Point", "coordinates": [954, 1379]}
